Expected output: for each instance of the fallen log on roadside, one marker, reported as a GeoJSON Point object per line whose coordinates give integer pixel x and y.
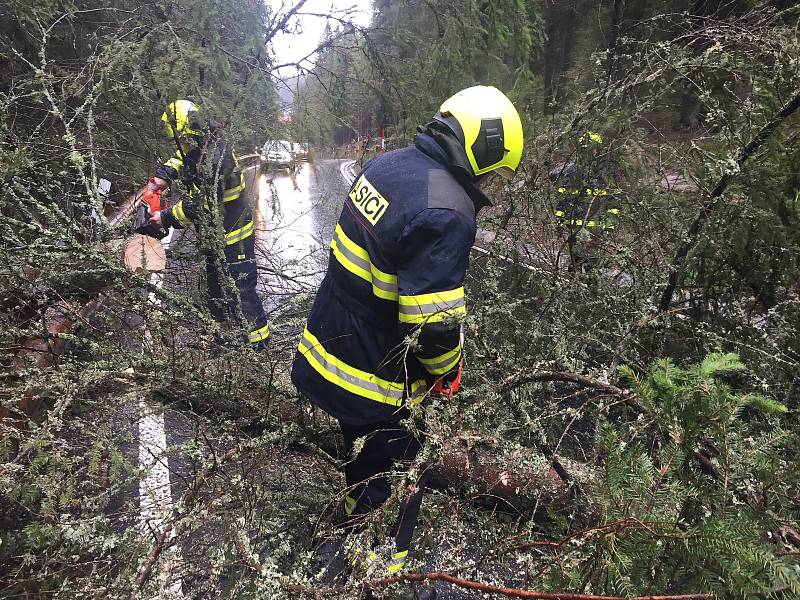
{"type": "Point", "coordinates": [517, 479]}
{"type": "Point", "coordinates": [139, 253]}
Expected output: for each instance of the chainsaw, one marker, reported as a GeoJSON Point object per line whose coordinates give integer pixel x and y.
{"type": "Point", "coordinates": [145, 205]}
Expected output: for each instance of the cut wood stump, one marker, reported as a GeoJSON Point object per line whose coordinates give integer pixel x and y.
{"type": "Point", "coordinates": [144, 253]}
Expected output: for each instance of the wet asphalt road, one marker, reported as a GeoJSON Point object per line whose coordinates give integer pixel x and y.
{"type": "Point", "coordinates": [296, 216]}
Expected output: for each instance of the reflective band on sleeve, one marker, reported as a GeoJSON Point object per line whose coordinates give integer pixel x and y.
{"type": "Point", "coordinates": [442, 364]}
{"type": "Point", "coordinates": [176, 162]}
{"type": "Point", "coordinates": [349, 505]}
{"type": "Point", "coordinates": [356, 259]}
{"type": "Point", "coordinates": [356, 381]}
{"type": "Point", "coordinates": [180, 216]}
{"type": "Point", "coordinates": [432, 307]}
{"type": "Point", "coordinates": [258, 335]}
{"type": "Point", "coordinates": [237, 235]}
{"type": "Point", "coordinates": [397, 562]}
{"type": "Point", "coordinates": [233, 193]}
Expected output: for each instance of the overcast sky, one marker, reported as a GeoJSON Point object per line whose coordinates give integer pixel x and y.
{"type": "Point", "coordinates": [308, 28]}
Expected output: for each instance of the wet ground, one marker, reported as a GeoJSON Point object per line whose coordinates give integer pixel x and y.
{"type": "Point", "coordinates": [297, 212]}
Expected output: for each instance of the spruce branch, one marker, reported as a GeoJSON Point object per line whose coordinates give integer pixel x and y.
{"type": "Point", "coordinates": [519, 593]}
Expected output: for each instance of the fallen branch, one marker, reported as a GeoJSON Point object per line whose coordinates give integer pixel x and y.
{"type": "Point", "coordinates": [521, 379]}
{"type": "Point", "coordinates": [518, 593]}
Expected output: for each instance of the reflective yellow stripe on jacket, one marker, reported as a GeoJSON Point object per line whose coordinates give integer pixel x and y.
{"type": "Point", "coordinates": [432, 307]}
{"type": "Point", "coordinates": [233, 193]}
{"type": "Point", "coordinates": [176, 162]}
{"type": "Point", "coordinates": [440, 365]}
{"type": "Point", "coordinates": [180, 216]}
{"type": "Point", "coordinates": [356, 259]}
{"type": "Point", "coordinates": [355, 380]}
{"type": "Point", "coordinates": [237, 235]}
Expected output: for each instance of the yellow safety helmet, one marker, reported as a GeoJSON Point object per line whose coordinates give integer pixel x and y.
{"type": "Point", "coordinates": [487, 124]}
{"type": "Point", "coordinates": [182, 117]}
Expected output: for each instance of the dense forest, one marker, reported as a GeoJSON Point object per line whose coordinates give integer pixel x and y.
{"type": "Point", "coordinates": [628, 422]}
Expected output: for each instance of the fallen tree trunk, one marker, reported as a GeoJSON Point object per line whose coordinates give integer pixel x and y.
{"type": "Point", "coordinates": [520, 480]}
{"type": "Point", "coordinates": [139, 253]}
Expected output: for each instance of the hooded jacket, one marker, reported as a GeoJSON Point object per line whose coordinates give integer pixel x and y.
{"type": "Point", "coordinates": [386, 318]}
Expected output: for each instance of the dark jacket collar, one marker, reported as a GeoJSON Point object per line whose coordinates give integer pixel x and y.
{"type": "Point", "coordinates": [445, 150]}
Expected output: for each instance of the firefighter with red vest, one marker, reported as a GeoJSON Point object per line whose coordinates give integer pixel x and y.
{"type": "Point", "coordinates": [398, 258]}
{"type": "Point", "coordinates": [215, 202]}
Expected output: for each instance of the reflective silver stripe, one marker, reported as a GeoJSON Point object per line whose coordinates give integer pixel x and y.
{"type": "Point", "coordinates": [364, 264]}
{"type": "Point", "coordinates": [432, 307]}
{"type": "Point", "coordinates": [397, 562]}
{"type": "Point", "coordinates": [419, 390]}
{"type": "Point", "coordinates": [237, 235]}
{"type": "Point", "coordinates": [450, 360]}
{"type": "Point", "coordinates": [259, 334]}
{"type": "Point", "coordinates": [304, 346]}
{"type": "Point", "coordinates": [235, 192]}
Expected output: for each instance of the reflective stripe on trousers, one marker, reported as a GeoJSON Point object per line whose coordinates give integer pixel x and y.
{"type": "Point", "coordinates": [233, 193]}
{"type": "Point", "coordinates": [237, 235]}
{"type": "Point", "coordinates": [259, 334]}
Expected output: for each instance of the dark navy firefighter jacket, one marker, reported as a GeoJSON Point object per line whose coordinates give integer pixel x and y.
{"type": "Point", "coordinates": [223, 181]}
{"type": "Point", "coordinates": [396, 273]}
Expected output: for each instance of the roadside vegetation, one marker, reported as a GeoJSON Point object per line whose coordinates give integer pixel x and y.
{"type": "Point", "coordinates": [628, 425]}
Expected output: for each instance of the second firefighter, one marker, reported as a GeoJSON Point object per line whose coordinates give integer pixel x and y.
{"type": "Point", "coordinates": [384, 331]}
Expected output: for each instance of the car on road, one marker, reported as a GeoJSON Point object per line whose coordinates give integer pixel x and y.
{"type": "Point", "coordinates": [277, 154]}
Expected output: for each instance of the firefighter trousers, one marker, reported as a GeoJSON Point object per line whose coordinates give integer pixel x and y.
{"type": "Point", "coordinates": [240, 264]}
{"type": "Point", "coordinates": [387, 446]}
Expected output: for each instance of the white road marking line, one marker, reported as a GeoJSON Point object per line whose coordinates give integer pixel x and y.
{"type": "Point", "coordinates": [347, 171]}
{"type": "Point", "coordinates": [155, 491]}
{"type": "Point", "coordinates": [346, 168]}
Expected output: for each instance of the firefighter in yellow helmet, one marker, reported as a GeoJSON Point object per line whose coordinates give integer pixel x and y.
{"type": "Point", "coordinates": [214, 201]}
{"type": "Point", "coordinates": [398, 259]}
